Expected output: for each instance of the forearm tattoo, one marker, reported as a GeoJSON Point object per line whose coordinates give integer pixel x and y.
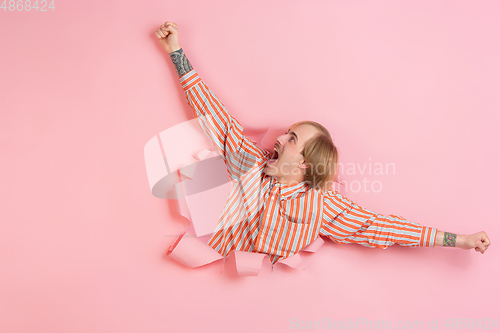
{"type": "Point", "coordinates": [449, 239]}
{"type": "Point", "coordinates": [181, 62]}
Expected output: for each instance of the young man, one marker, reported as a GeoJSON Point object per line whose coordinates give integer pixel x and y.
{"type": "Point", "coordinates": [281, 202]}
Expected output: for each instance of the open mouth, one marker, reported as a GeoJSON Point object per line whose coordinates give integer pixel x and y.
{"type": "Point", "coordinates": [275, 156]}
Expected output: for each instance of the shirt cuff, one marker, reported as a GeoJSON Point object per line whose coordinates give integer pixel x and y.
{"type": "Point", "coordinates": [189, 80]}
{"type": "Point", "coordinates": [428, 237]}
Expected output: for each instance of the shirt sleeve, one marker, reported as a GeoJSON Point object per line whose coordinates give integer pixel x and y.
{"type": "Point", "coordinates": [344, 221]}
{"type": "Point", "coordinates": [239, 153]}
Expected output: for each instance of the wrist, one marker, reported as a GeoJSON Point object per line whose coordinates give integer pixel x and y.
{"type": "Point", "coordinates": [449, 239]}
{"type": "Point", "coordinates": [173, 49]}
{"type": "Point", "coordinates": [461, 241]}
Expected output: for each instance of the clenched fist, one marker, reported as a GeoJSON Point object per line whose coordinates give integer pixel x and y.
{"type": "Point", "coordinates": [169, 36]}
{"type": "Point", "coordinates": [478, 242]}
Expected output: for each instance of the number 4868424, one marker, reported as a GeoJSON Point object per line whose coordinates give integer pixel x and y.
{"type": "Point", "coordinates": [26, 5]}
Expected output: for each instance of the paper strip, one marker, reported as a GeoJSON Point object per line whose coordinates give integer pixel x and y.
{"type": "Point", "coordinates": [314, 245]}
{"type": "Point", "coordinates": [248, 263]}
{"type": "Point", "coordinates": [192, 252]}
{"type": "Point", "coordinates": [294, 261]}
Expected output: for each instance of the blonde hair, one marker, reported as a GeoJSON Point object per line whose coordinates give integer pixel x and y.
{"type": "Point", "coordinates": [321, 157]}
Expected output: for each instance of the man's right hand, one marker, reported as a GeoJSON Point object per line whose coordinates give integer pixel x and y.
{"type": "Point", "coordinates": [169, 36]}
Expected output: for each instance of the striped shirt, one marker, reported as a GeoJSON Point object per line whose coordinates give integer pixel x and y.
{"type": "Point", "coordinates": [262, 215]}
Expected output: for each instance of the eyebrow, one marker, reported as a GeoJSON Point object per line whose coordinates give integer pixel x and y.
{"type": "Point", "coordinates": [294, 134]}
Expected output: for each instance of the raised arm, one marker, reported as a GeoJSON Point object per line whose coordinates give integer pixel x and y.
{"type": "Point", "coordinates": [345, 221]}
{"type": "Point", "coordinates": [239, 153]}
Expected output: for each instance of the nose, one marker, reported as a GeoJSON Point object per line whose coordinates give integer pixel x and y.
{"type": "Point", "coordinates": [280, 140]}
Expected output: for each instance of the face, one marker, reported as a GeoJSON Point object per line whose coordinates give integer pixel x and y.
{"type": "Point", "coordinates": [288, 163]}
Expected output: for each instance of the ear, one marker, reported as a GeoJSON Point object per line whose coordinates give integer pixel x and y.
{"type": "Point", "coordinates": [303, 164]}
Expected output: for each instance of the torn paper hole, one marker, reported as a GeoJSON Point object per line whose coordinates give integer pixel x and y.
{"type": "Point", "coordinates": [182, 164]}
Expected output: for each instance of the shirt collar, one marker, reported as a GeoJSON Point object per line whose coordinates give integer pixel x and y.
{"type": "Point", "coordinates": [288, 190]}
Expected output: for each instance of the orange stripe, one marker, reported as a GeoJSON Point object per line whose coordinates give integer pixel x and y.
{"type": "Point", "coordinates": [427, 242]}
{"type": "Point", "coordinates": [192, 84]}
{"type": "Point", "coordinates": [292, 231]}
{"type": "Point", "coordinates": [183, 77]}
{"type": "Point", "coordinates": [402, 228]}
{"type": "Point", "coordinates": [270, 222]}
{"type": "Point", "coordinates": [215, 123]}
{"type": "Point", "coordinates": [390, 235]}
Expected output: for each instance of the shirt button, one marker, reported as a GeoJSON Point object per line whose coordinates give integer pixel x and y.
{"type": "Point", "coordinates": [268, 215]}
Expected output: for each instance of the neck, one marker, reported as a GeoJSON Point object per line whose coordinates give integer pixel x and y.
{"type": "Point", "coordinates": [290, 181]}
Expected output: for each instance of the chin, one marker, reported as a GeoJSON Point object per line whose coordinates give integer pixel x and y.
{"type": "Point", "coordinates": [267, 171]}
{"type": "Point", "coordinates": [270, 171]}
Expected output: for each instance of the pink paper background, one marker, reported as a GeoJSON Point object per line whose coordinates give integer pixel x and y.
{"type": "Point", "coordinates": [83, 88]}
